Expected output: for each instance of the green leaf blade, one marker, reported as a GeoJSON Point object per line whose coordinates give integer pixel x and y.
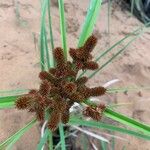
{"type": "Point", "coordinates": [90, 21]}
{"type": "Point", "coordinates": [127, 121]}
{"type": "Point", "coordinates": [63, 26]}
{"type": "Point", "coordinates": [100, 125]}
{"type": "Point", "coordinates": [15, 137]}
{"type": "Point", "coordinates": [62, 137]}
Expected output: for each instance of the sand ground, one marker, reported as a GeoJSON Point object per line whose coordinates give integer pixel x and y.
{"type": "Point", "coordinates": [19, 61]}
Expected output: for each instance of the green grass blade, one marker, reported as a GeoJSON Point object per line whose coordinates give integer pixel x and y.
{"type": "Point", "coordinates": [7, 98]}
{"type": "Point", "coordinates": [48, 60]}
{"type": "Point", "coordinates": [132, 6]}
{"type": "Point", "coordinates": [124, 119]}
{"type": "Point", "coordinates": [42, 36]}
{"type": "Point", "coordinates": [62, 137]}
{"type": "Point", "coordinates": [63, 26]}
{"type": "Point", "coordinates": [13, 92]}
{"type": "Point", "coordinates": [112, 58]}
{"type": "Point", "coordinates": [50, 140]}
{"type": "Point", "coordinates": [59, 143]}
{"type": "Point", "coordinates": [109, 15]}
{"type": "Point", "coordinates": [85, 142]}
{"type": "Point", "coordinates": [43, 140]}
{"type": "Point", "coordinates": [127, 121]}
{"type": "Point", "coordinates": [135, 32]}
{"type": "Point", "coordinates": [104, 145]}
{"type": "Point", "coordinates": [12, 139]}
{"type": "Point", "coordinates": [126, 89]}
{"type": "Point", "coordinates": [51, 34]}
{"type": "Point", "coordinates": [90, 21]}
{"type": "Point", "coordinates": [5, 105]}
{"type": "Point", "coordinates": [113, 143]}
{"type": "Point", "coordinates": [100, 125]}
{"type": "Point", "coordinates": [113, 106]}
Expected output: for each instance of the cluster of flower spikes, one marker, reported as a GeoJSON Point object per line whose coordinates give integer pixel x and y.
{"type": "Point", "coordinates": [60, 88]}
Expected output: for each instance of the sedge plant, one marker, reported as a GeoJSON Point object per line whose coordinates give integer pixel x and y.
{"type": "Point", "coordinates": [62, 85]}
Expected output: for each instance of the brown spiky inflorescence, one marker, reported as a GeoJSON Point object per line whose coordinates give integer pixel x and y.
{"type": "Point", "coordinates": [95, 112]}
{"type": "Point", "coordinates": [60, 87]}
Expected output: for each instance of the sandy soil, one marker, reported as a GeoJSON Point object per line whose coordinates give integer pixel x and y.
{"type": "Point", "coordinates": [19, 61]}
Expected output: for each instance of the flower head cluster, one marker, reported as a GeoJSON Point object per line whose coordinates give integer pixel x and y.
{"type": "Point", "coordinates": [60, 87]}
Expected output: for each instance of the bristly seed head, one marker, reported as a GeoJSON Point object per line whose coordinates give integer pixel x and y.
{"type": "Point", "coordinates": [60, 88]}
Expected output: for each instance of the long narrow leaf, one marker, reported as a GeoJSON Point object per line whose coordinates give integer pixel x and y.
{"type": "Point", "coordinates": [135, 32]}
{"type": "Point", "coordinates": [42, 36]}
{"type": "Point", "coordinates": [112, 58]}
{"type": "Point", "coordinates": [7, 98]}
{"type": "Point", "coordinates": [90, 21]}
{"type": "Point", "coordinates": [126, 89]}
{"type": "Point", "coordinates": [46, 56]}
{"type": "Point", "coordinates": [124, 119]}
{"type": "Point", "coordinates": [48, 64]}
{"type": "Point", "coordinates": [63, 26]}
{"type": "Point", "coordinates": [13, 92]}
{"type": "Point", "coordinates": [127, 121]}
{"type": "Point", "coordinates": [43, 140]}
{"type": "Point", "coordinates": [12, 139]}
{"type": "Point", "coordinates": [62, 137]}
{"type": "Point", "coordinates": [50, 140]}
{"type": "Point", "coordinates": [7, 105]}
{"type": "Point", "coordinates": [104, 145]}
{"type": "Point", "coordinates": [100, 125]}
{"type": "Point", "coordinates": [51, 34]}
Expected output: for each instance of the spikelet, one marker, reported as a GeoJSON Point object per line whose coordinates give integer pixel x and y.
{"type": "Point", "coordinates": [38, 103]}
{"type": "Point", "coordinates": [70, 70]}
{"type": "Point", "coordinates": [70, 88]}
{"type": "Point", "coordinates": [91, 65]}
{"type": "Point", "coordinates": [76, 97]}
{"type": "Point", "coordinates": [61, 71]}
{"type": "Point", "coordinates": [80, 54]}
{"type": "Point", "coordinates": [83, 90]}
{"type": "Point", "coordinates": [59, 56]}
{"type": "Point", "coordinates": [97, 91]}
{"type": "Point", "coordinates": [43, 75]}
{"type": "Point", "coordinates": [69, 64]}
{"type": "Point", "coordinates": [90, 43]}
{"type": "Point", "coordinates": [54, 120]}
{"type": "Point", "coordinates": [52, 71]}
{"type": "Point", "coordinates": [72, 53]}
{"type": "Point", "coordinates": [40, 115]}
{"type": "Point", "coordinates": [71, 73]}
{"type": "Point", "coordinates": [90, 57]}
{"type": "Point", "coordinates": [81, 80]}
{"type": "Point", "coordinates": [60, 104]}
{"type": "Point", "coordinates": [79, 65]}
{"type": "Point", "coordinates": [44, 88]}
{"type": "Point", "coordinates": [101, 107]}
{"type": "Point", "coordinates": [65, 117]}
{"type": "Point", "coordinates": [54, 91]}
{"type": "Point", "coordinates": [33, 91]}
{"type": "Point", "coordinates": [93, 113]}
{"type": "Point", "coordinates": [41, 101]}
{"type": "Point", "coordinates": [23, 102]}
{"type": "Point", "coordinates": [50, 103]}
